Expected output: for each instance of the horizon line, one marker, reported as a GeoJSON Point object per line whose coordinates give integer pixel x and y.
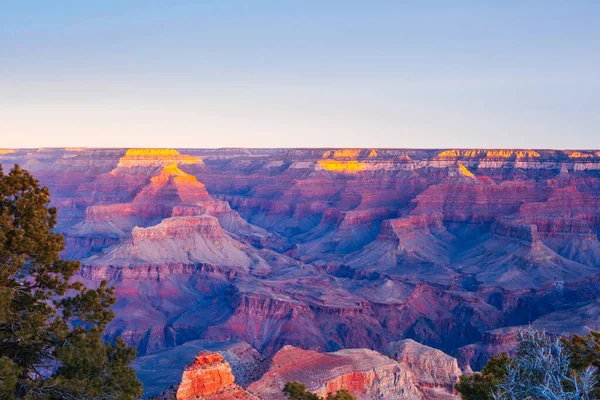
{"type": "Point", "coordinates": [296, 148]}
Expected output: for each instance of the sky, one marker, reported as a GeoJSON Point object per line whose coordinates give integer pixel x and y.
{"type": "Point", "coordinates": [304, 73]}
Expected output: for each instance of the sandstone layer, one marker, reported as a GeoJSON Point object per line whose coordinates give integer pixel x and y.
{"type": "Point", "coordinates": [331, 249]}
{"type": "Point", "coordinates": [412, 371]}
{"type": "Point", "coordinates": [210, 377]}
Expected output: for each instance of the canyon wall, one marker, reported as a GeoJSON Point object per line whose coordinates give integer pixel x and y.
{"type": "Point", "coordinates": [329, 250]}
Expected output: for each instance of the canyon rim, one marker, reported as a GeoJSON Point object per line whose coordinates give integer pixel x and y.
{"type": "Point", "coordinates": [348, 262]}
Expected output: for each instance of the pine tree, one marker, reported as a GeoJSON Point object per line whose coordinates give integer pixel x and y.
{"type": "Point", "coordinates": [480, 386]}
{"type": "Point", "coordinates": [51, 326]}
{"type": "Point", "coordinates": [342, 394]}
{"type": "Point", "coordinates": [297, 391]}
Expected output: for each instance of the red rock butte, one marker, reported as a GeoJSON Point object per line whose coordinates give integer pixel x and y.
{"type": "Point", "coordinates": [210, 377]}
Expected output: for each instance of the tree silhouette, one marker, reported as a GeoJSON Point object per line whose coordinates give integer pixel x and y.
{"type": "Point", "coordinates": [51, 326]}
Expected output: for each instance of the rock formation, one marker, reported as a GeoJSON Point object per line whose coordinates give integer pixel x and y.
{"type": "Point", "coordinates": [331, 249]}
{"type": "Point", "coordinates": [365, 373]}
{"type": "Point", "coordinates": [433, 371]}
{"type": "Point", "coordinates": [162, 370]}
{"type": "Point", "coordinates": [210, 377]}
{"type": "Point", "coordinates": [178, 240]}
{"type": "Point", "coordinates": [414, 371]}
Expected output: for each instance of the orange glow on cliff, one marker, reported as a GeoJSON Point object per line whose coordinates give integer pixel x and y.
{"type": "Point", "coordinates": [348, 154]}
{"type": "Point", "coordinates": [173, 171]}
{"type": "Point", "coordinates": [7, 151]}
{"type": "Point", "coordinates": [499, 154]}
{"type": "Point", "coordinates": [134, 157]}
{"type": "Point", "coordinates": [459, 153]}
{"type": "Point", "coordinates": [528, 154]}
{"type": "Point", "coordinates": [512, 153]}
{"type": "Point", "coordinates": [151, 153]}
{"type": "Point", "coordinates": [578, 154]}
{"type": "Point", "coordinates": [342, 166]}
{"type": "Point", "coordinates": [449, 154]}
{"type": "Point", "coordinates": [465, 171]}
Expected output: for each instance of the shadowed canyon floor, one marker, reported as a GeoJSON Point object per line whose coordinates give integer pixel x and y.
{"type": "Point", "coordinates": [263, 254]}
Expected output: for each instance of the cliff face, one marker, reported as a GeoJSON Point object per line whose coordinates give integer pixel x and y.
{"type": "Point", "coordinates": [330, 249]}
{"type": "Point", "coordinates": [414, 372]}
{"type": "Point", "coordinates": [165, 369]}
{"type": "Point", "coordinates": [208, 374]}
{"type": "Point", "coordinates": [433, 371]}
{"type": "Point", "coordinates": [178, 240]}
{"type": "Point", "coordinates": [366, 373]}
{"type": "Point", "coordinates": [210, 377]}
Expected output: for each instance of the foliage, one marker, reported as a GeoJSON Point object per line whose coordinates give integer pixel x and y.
{"type": "Point", "coordinates": [585, 352]}
{"type": "Point", "coordinates": [542, 370]}
{"type": "Point", "coordinates": [51, 327]}
{"type": "Point", "coordinates": [342, 394]}
{"type": "Point", "coordinates": [297, 391]}
{"type": "Point", "coordinates": [479, 386]}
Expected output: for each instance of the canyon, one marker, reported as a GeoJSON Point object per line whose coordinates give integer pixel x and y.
{"type": "Point", "coordinates": [409, 370]}
{"type": "Point", "coordinates": [258, 266]}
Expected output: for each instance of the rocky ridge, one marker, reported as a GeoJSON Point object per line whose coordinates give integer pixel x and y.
{"type": "Point", "coordinates": [412, 371]}
{"type": "Point", "coordinates": [330, 249]}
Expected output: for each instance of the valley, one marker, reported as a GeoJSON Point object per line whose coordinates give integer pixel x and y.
{"type": "Point", "coordinates": [342, 252]}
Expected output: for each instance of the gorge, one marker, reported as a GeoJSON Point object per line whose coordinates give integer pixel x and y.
{"type": "Point", "coordinates": [255, 258]}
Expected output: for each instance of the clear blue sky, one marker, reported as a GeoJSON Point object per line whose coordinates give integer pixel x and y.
{"type": "Point", "coordinates": [511, 73]}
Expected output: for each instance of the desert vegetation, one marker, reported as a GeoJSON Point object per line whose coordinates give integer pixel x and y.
{"type": "Point", "coordinates": [51, 326]}
{"type": "Point", "coordinates": [543, 368]}
{"type": "Point", "coordinates": [297, 391]}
